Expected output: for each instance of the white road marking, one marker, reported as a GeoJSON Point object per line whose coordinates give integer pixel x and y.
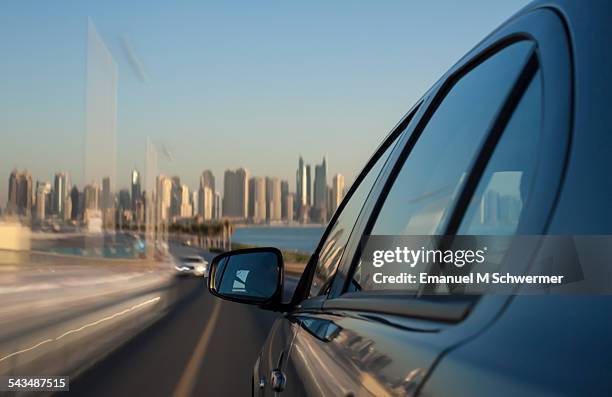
{"type": "Point", "coordinates": [186, 384]}
{"type": "Point", "coordinates": [88, 325]}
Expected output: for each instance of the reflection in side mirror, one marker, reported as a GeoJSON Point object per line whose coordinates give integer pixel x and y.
{"type": "Point", "coordinates": [253, 276]}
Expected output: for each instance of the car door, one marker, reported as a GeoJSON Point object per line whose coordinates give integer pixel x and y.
{"type": "Point", "coordinates": [316, 280]}
{"type": "Point", "coordinates": [485, 120]}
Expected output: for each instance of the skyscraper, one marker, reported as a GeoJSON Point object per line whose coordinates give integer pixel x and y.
{"type": "Point", "coordinates": [61, 187]}
{"type": "Point", "coordinates": [289, 205]}
{"type": "Point", "coordinates": [11, 204]}
{"type": "Point", "coordinates": [107, 195]}
{"type": "Point", "coordinates": [20, 193]}
{"type": "Point", "coordinates": [124, 207]}
{"type": "Point", "coordinates": [337, 191]}
{"type": "Point", "coordinates": [235, 194]}
{"type": "Point", "coordinates": [195, 202]}
{"type": "Point", "coordinates": [43, 191]}
{"type": "Point", "coordinates": [163, 198]}
{"type": "Point", "coordinates": [206, 202]}
{"type": "Point", "coordinates": [125, 200]}
{"type": "Point", "coordinates": [300, 184]}
{"type": "Point", "coordinates": [92, 197]}
{"type": "Point", "coordinates": [308, 186]}
{"type": "Point", "coordinates": [284, 193]}
{"type": "Point", "coordinates": [217, 206]}
{"type": "Point", "coordinates": [185, 202]}
{"type": "Point", "coordinates": [92, 216]}
{"type": "Point", "coordinates": [136, 189]}
{"type": "Point", "coordinates": [107, 204]}
{"type": "Point", "coordinates": [320, 185]}
{"type": "Point", "coordinates": [75, 198]}
{"type": "Point", "coordinates": [320, 190]}
{"type": "Point", "coordinates": [273, 199]}
{"type": "Point", "coordinates": [175, 201]}
{"type": "Point", "coordinates": [257, 199]}
{"type": "Point", "coordinates": [207, 179]}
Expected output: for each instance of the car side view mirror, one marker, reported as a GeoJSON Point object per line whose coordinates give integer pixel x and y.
{"type": "Point", "coordinates": [253, 276]}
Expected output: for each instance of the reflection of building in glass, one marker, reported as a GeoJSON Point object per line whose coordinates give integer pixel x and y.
{"type": "Point", "coordinates": [488, 208]}
{"type": "Point", "coordinates": [499, 210]}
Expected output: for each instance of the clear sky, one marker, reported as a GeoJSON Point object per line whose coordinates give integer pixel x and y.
{"type": "Point", "coordinates": [226, 84]}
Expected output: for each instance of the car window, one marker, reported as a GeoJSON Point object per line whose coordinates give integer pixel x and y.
{"type": "Point", "coordinates": [419, 201]}
{"type": "Point", "coordinates": [504, 188]}
{"type": "Point", "coordinates": [333, 248]}
{"type": "Point", "coordinates": [431, 176]}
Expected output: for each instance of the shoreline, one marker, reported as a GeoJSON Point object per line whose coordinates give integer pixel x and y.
{"type": "Point", "coordinates": [278, 225]}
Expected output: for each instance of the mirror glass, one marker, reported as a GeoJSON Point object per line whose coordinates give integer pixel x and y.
{"type": "Point", "coordinates": [253, 275]}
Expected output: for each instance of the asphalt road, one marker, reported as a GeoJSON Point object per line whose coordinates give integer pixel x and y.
{"type": "Point", "coordinates": [202, 347]}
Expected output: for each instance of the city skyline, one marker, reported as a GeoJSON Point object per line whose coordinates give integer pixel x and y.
{"type": "Point", "coordinates": [245, 197]}
{"type": "Point", "coordinates": [202, 91]}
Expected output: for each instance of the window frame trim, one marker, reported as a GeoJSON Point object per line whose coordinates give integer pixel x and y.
{"type": "Point", "coordinates": [300, 297]}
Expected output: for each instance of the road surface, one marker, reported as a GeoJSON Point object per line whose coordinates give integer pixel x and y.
{"type": "Point", "coordinates": [203, 347]}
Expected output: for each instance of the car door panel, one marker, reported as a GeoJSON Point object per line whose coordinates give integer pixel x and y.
{"type": "Point", "coordinates": [273, 356]}
{"type": "Point", "coordinates": [347, 356]}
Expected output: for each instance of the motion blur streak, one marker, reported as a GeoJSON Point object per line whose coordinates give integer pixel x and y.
{"type": "Point", "coordinates": [92, 324]}
{"type": "Point", "coordinates": [187, 382]}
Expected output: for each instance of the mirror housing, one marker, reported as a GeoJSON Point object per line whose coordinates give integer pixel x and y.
{"type": "Point", "coordinates": [253, 276]}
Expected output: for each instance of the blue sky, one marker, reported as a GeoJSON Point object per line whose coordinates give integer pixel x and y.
{"type": "Point", "coordinates": [229, 84]}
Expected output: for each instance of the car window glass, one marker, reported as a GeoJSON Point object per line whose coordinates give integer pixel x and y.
{"type": "Point", "coordinates": [496, 206]}
{"type": "Point", "coordinates": [431, 176]}
{"type": "Point", "coordinates": [419, 201]}
{"type": "Point", "coordinates": [505, 186]}
{"type": "Point", "coordinates": [333, 248]}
